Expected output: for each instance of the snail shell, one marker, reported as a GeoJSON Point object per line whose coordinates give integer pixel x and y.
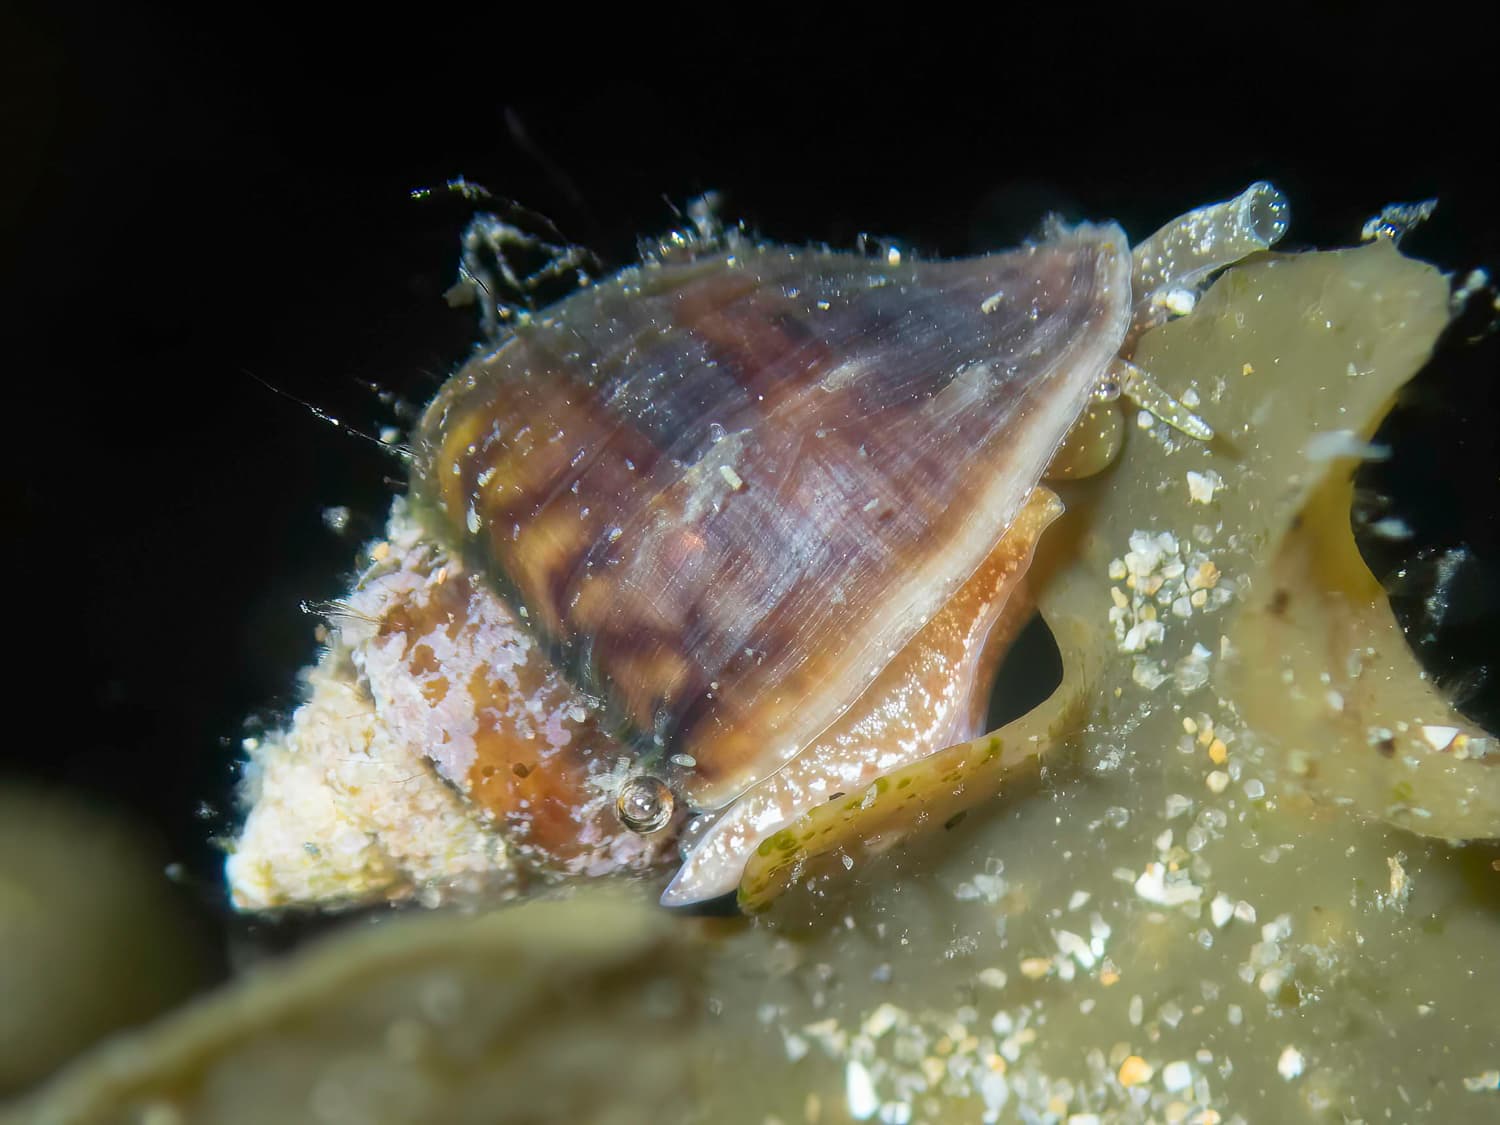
{"type": "Point", "coordinates": [725, 491]}
{"type": "Point", "coordinates": [740, 530]}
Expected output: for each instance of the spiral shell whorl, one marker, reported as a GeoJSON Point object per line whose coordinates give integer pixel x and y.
{"type": "Point", "coordinates": [726, 490]}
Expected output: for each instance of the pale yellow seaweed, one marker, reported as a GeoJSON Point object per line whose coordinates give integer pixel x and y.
{"type": "Point", "coordinates": [1327, 679]}
{"type": "Point", "coordinates": [1320, 676]}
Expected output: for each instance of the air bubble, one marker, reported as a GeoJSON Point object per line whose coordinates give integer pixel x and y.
{"type": "Point", "coordinates": [644, 804]}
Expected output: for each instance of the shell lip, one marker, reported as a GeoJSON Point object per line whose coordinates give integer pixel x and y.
{"type": "Point", "coordinates": [683, 894]}
{"type": "Point", "coordinates": [724, 904]}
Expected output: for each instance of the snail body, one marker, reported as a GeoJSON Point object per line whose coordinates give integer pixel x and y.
{"type": "Point", "coordinates": [739, 530]}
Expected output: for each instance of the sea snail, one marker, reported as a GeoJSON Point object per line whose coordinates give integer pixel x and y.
{"type": "Point", "coordinates": [745, 527]}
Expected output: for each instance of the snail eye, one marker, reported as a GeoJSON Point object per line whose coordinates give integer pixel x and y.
{"type": "Point", "coordinates": [644, 804]}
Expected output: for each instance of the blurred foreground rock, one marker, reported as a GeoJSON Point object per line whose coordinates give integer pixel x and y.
{"type": "Point", "coordinates": [94, 936]}
{"type": "Point", "coordinates": [575, 1010]}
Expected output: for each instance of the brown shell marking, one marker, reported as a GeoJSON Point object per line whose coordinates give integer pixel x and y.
{"type": "Point", "coordinates": [498, 720]}
{"type": "Point", "coordinates": [693, 476]}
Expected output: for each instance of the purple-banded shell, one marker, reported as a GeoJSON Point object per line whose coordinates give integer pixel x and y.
{"type": "Point", "coordinates": [728, 491]}
{"type": "Point", "coordinates": [739, 531]}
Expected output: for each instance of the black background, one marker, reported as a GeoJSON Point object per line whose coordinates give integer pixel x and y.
{"type": "Point", "coordinates": [195, 206]}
